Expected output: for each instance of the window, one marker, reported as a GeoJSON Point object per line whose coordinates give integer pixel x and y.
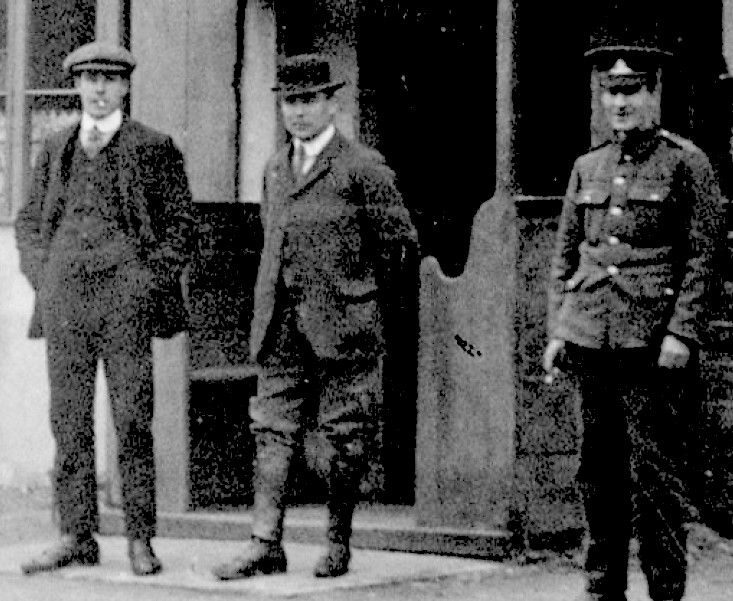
{"type": "Point", "coordinates": [55, 28]}
{"type": "Point", "coordinates": [36, 98]}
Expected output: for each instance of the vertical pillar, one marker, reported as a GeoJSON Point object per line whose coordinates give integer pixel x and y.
{"type": "Point", "coordinates": [17, 117]}
{"type": "Point", "coordinates": [108, 23]}
{"type": "Point", "coordinates": [728, 33]}
{"type": "Point", "coordinates": [159, 40]}
{"type": "Point", "coordinates": [259, 119]}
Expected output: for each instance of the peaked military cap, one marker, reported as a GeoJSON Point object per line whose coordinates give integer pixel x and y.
{"type": "Point", "coordinates": [627, 64]}
{"type": "Point", "coordinates": [100, 56]}
{"type": "Point", "coordinates": [305, 74]}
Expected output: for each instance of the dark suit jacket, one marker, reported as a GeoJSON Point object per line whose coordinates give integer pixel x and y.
{"type": "Point", "coordinates": [636, 244]}
{"type": "Point", "coordinates": [335, 235]}
{"type": "Point", "coordinates": [155, 208]}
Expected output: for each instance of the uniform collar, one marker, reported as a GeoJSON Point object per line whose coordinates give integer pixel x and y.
{"type": "Point", "coordinates": [638, 143]}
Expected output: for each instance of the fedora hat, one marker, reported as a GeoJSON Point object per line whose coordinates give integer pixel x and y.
{"type": "Point", "coordinates": [305, 74]}
{"type": "Point", "coordinates": [100, 56]}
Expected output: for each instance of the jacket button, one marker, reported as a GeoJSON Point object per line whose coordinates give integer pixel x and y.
{"type": "Point", "coordinates": [616, 211]}
{"type": "Point", "coordinates": [612, 270]}
{"type": "Point", "coordinates": [619, 180]}
{"type": "Point", "coordinates": [654, 196]}
{"type": "Point", "coordinates": [613, 241]}
{"type": "Point", "coordinates": [668, 291]}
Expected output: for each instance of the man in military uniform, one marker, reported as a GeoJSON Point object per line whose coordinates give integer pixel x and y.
{"type": "Point", "coordinates": [629, 283]}
{"type": "Point", "coordinates": [103, 238]}
{"type": "Point", "coordinates": [335, 228]}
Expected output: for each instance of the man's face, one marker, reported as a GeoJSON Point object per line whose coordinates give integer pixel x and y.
{"type": "Point", "coordinates": [307, 115]}
{"type": "Point", "coordinates": [629, 106]}
{"type": "Point", "coordinates": [101, 92]}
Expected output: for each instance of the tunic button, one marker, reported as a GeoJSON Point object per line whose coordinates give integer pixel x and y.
{"type": "Point", "coordinates": [613, 241]}
{"type": "Point", "coordinates": [654, 196]}
{"type": "Point", "coordinates": [616, 211]}
{"type": "Point", "coordinates": [612, 270]}
{"type": "Point", "coordinates": [668, 291]}
{"type": "Point", "coordinates": [627, 157]}
{"type": "Point", "coordinates": [619, 180]}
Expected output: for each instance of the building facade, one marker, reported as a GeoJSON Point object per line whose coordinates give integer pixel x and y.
{"type": "Point", "coordinates": [473, 106]}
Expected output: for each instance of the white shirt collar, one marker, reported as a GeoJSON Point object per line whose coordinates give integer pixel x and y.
{"type": "Point", "coordinates": [107, 125]}
{"type": "Point", "coordinates": [315, 146]}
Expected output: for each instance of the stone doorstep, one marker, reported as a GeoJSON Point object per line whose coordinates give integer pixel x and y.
{"type": "Point", "coordinates": [188, 563]}
{"type": "Point", "coordinates": [373, 529]}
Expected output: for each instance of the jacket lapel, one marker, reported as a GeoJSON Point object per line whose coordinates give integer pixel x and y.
{"type": "Point", "coordinates": [59, 163]}
{"type": "Point", "coordinates": [321, 165]}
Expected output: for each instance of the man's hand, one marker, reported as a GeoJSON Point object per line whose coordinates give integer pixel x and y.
{"type": "Point", "coordinates": [553, 349]}
{"type": "Point", "coordinates": [674, 353]}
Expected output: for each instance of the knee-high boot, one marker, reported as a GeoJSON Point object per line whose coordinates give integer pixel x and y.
{"type": "Point", "coordinates": [271, 474]}
{"type": "Point", "coordinates": [344, 478]}
{"type": "Point", "coordinates": [264, 554]}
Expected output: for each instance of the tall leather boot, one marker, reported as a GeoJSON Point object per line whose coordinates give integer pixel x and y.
{"type": "Point", "coordinates": [344, 478]}
{"type": "Point", "coordinates": [264, 553]}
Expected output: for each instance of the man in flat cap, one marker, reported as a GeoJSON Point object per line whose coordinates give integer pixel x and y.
{"type": "Point", "coordinates": [104, 235]}
{"type": "Point", "coordinates": [335, 229]}
{"type": "Point", "coordinates": [629, 285]}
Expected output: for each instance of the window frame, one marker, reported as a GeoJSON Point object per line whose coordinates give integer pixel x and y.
{"type": "Point", "coordinates": [112, 23]}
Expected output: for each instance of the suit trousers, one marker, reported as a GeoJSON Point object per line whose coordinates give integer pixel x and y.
{"type": "Point", "coordinates": [91, 315]}
{"type": "Point", "coordinates": [297, 391]}
{"type": "Point", "coordinates": [631, 467]}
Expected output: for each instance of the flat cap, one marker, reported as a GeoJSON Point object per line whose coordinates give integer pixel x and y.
{"type": "Point", "coordinates": [100, 56]}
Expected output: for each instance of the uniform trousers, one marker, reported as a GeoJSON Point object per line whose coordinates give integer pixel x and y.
{"type": "Point", "coordinates": [631, 467]}
{"type": "Point", "coordinates": [296, 391]}
{"type": "Point", "coordinates": [88, 315]}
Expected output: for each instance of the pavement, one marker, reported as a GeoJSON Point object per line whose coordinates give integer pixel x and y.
{"type": "Point", "coordinates": [374, 575]}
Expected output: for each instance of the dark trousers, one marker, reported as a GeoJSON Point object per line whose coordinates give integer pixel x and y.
{"type": "Point", "coordinates": [297, 390]}
{"type": "Point", "coordinates": [88, 316]}
{"type": "Point", "coordinates": [631, 468]}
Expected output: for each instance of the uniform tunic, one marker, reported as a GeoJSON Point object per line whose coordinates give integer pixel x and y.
{"type": "Point", "coordinates": [633, 263]}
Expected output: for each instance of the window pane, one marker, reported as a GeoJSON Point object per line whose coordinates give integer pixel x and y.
{"type": "Point", "coordinates": [56, 28]}
{"type": "Point", "coordinates": [50, 114]}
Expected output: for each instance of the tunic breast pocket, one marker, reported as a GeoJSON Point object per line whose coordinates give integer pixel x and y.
{"type": "Point", "coordinates": [593, 201]}
{"type": "Point", "coordinates": [655, 214]}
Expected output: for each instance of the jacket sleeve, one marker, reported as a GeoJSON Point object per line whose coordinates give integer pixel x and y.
{"type": "Point", "coordinates": [171, 212]}
{"type": "Point", "coordinates": [29, 222]}
{"type": "Point", "coordinates": [389, 223]}
{"type": "Point", "coordinates": [689, 318]}
{"type": "Point", "coordinates": [566, 255]}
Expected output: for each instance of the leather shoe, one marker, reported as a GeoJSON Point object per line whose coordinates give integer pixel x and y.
{"type": "Point", "coordinates": [259, 557]}
{"type": "Point", "coordinates": [335, 562]}
{"type": "Point", "coordinates": [142, 557]}
{"type": "Point", "coordinates": [69, 551]}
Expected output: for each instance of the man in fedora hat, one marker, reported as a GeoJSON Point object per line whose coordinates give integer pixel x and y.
{"type": "Point", "coordinates": [103, 237]}
{"type": "Point", "coordinates": [629, 283]}
{"type": "Point", "coordinates": [335, 229]}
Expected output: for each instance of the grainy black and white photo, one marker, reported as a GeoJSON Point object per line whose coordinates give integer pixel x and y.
{"type": "Point", "coordinates": [351, 300]}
